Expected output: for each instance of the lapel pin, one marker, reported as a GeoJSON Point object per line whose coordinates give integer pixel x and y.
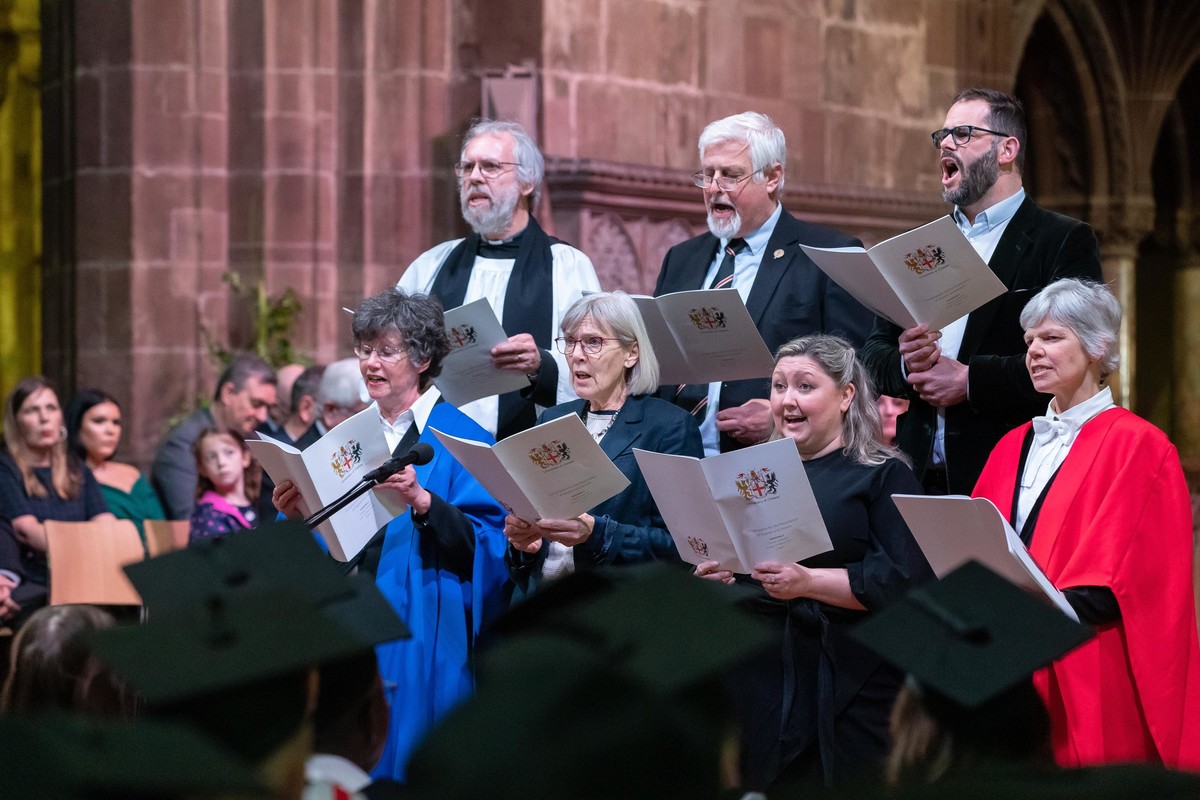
{"type": "Point", "coordinates": [779, 253]}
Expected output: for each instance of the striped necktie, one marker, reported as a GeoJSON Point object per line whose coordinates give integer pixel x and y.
{"type": "Point", "coordinates": [693, 397]}
{"type": "Point", "coordinates": [724, 276]}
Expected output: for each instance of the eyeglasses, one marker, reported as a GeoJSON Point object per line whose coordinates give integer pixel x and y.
{"type": "Point", "coordinates": [591, 345]}
{"type": "Point", "coordinates": [488, 169]}
{"type": "Point", "coordinates": [387, 354]}
{"type": "Point", "coordinates": [962, 134]}
{"type": "Point", "coordinates": [725, 183]}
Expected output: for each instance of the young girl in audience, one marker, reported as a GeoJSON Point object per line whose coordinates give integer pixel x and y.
{"type": "Point", "coordinates": [228, 486]}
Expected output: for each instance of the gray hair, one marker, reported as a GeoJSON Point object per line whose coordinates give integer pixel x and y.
{"type": "Point", "coordinates": [862, 429]}
{"type": "Point", "coordinates": [241, 368]}
{"type": "Point", "coordinates": [531, 167]}
{"type": "Point", "coordinates": [1089, 309]}
{"type": "Point", "coordinates": [341, 384]}
{"type": "Point", "coordinates": [617, 311]}
{"type": "Point", "coordinates": [765, 140]}
{"type": "Point", "coordinates": [308, 383]}
{"type": "Point", "coordinates": [417, 318]}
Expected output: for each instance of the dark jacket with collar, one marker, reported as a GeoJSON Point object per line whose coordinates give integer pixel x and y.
{"type": "Point", "coordinates": [628, 527]}
{"type": "Point", "coordinates": [790, 297]}
{"type": "Point", "coordinates": [1037, 248]}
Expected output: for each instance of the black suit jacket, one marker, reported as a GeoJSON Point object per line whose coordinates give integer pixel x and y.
{"type": "Point", "coordinates": [628, 528]}
{"type": "Point", "coordinates": [1037, 248]}
{"type": "Point", "coordinates": [791, 296]}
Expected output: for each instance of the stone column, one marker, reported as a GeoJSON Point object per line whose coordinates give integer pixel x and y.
{"type": "Point", "coordinates": [1187, 361]}
{"type": "Point", "coordinates": [135, 201]}
{"type": "Point", "coordinates": [1118, 261]}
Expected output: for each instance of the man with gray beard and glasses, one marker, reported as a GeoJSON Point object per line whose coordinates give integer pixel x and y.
{"type": "Point", "coordinates": [967, 383]}
{"type": "Point", "coordinates": [529, 278]}
{"type": "Point", "coordinates": [753, 245]}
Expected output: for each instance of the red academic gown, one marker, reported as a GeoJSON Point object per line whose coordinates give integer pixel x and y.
{"type": "Point", "coordinates": [1118, 514]}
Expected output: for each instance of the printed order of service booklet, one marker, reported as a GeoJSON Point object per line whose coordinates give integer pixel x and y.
{"type": "Point", "coordinates": [929, 276]}
{"type": "Point", "coordinates": [955, 529]}
{"type": "Point", "coordinates": [327, 469]}
{"type": "Point", "coordinates": [738, 508]}
{"type": "Point", "coordinates": [551, 471]}
{"type": "Point", "coordinates": [704, 335]}
{"type": "Point", "coordinates": [467, 371]}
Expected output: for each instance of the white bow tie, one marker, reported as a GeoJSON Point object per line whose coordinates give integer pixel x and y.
{"type": "Point", "coordinates": [1047, 429]}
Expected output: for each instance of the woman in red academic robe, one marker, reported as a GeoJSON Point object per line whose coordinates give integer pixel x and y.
{"type": "Point", "coordinates": [1099, 497]}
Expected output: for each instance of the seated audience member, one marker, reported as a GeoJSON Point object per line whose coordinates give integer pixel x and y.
{"type": "Point", "coordinates": [12, 575]}
{"type": "Point", "coordinates": [245, 393]}
{"type": "Point", "coordinates": [614, 372]}
{"type": "Point", "coordinates": [53, 668]}
{"type": "Point", "coordinates": [350, 726]}
{"type": "Point", "coordinates": [186, 584]}
{"type": "Point", "coordinates": [236, 669]}
{"type": "Point", "coordinates": [285, 383]}
{"type": "Point", "coordinates": [341, 394]}
{"type": "Point", "coordinates": [40, 479]}
{"type": "Point", "coordinates": [228, 487]}
{"type": "Point", "coordinates": [627, 701]}
{"type": "Point", "coordinates": [441, 563]}
{"type": "Point", "coordinates": [816, 709]}
{"type": "Point", "coordinates": [890, 409]}
{"type": "Point", "coordinates": [300, 428]}
{"type": "Point", "coordinates": [1098, 496]}
{"type": "Point", "coordinates": [94, 435]}
{"type": "Point", "coordinates": [61, 757]}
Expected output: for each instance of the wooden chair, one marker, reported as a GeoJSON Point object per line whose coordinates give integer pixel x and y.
{"type": "Point", "coordinates": [165, 535]}
{"type": "Point", "coordinates": [86, 560]}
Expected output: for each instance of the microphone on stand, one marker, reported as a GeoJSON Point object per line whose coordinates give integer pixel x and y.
{"type": "Point", "coordinates": [421, 453]}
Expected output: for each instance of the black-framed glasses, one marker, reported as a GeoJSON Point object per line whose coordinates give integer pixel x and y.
{"type": "Point", "coordinates": [962, 134]}
{"type": "Point", "coordinates": [725, 183]}
{"type": "Point", "coordinates": [590, 344]}
{"type": "Point", "coordinates": [387, 353]}
{"type": "Point", "coordinates": [487, 168]}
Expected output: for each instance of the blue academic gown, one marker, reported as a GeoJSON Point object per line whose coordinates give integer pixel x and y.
{"type": "Point", "coordinates": [444, 576]}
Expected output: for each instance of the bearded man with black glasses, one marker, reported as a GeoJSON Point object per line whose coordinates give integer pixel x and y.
{"type": "Point", "coordinates": [529, 277]}
{"type": "Point", "coordinates": [753, 245]}
{"type": "Point", "coordinates": [967, 383]}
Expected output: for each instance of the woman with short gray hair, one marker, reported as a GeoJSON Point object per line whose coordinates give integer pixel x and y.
{"type": "Point", "coordinates": [614, 371]}
{"type": "Point", "coordinates": [1099, 497]}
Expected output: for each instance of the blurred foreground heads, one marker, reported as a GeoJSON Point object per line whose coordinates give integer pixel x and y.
{"type": "Point", "coordinates": [238, 629]}
{"type": "Point", "coordinates": [600, 688]}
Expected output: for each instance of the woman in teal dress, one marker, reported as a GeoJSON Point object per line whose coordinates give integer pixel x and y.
{"type": "Point", "coordinates": [94, 433]}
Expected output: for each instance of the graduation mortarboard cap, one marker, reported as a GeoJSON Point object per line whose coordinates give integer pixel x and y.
{"type": "Point", "coordinates": [610, 677]}
{"type": "Point", "coordinates": [644, 620]}
{"type": "Point", "coordinates": [970, 636]}
{"type": "Point", "coordinates": [228, 640]}
{"type": "Point", "coordinates": [656, 622]}
{"type": "Point", "coordinates": [58, 757]}
{"type": "Point", "coordinates": [552, 721]}
{"type": "Point", "coordinates": [671, 630]}
{"type": "Point", "coordinates": [237, 666]}
{"type": "Point", "coordinates": [282, 556]}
